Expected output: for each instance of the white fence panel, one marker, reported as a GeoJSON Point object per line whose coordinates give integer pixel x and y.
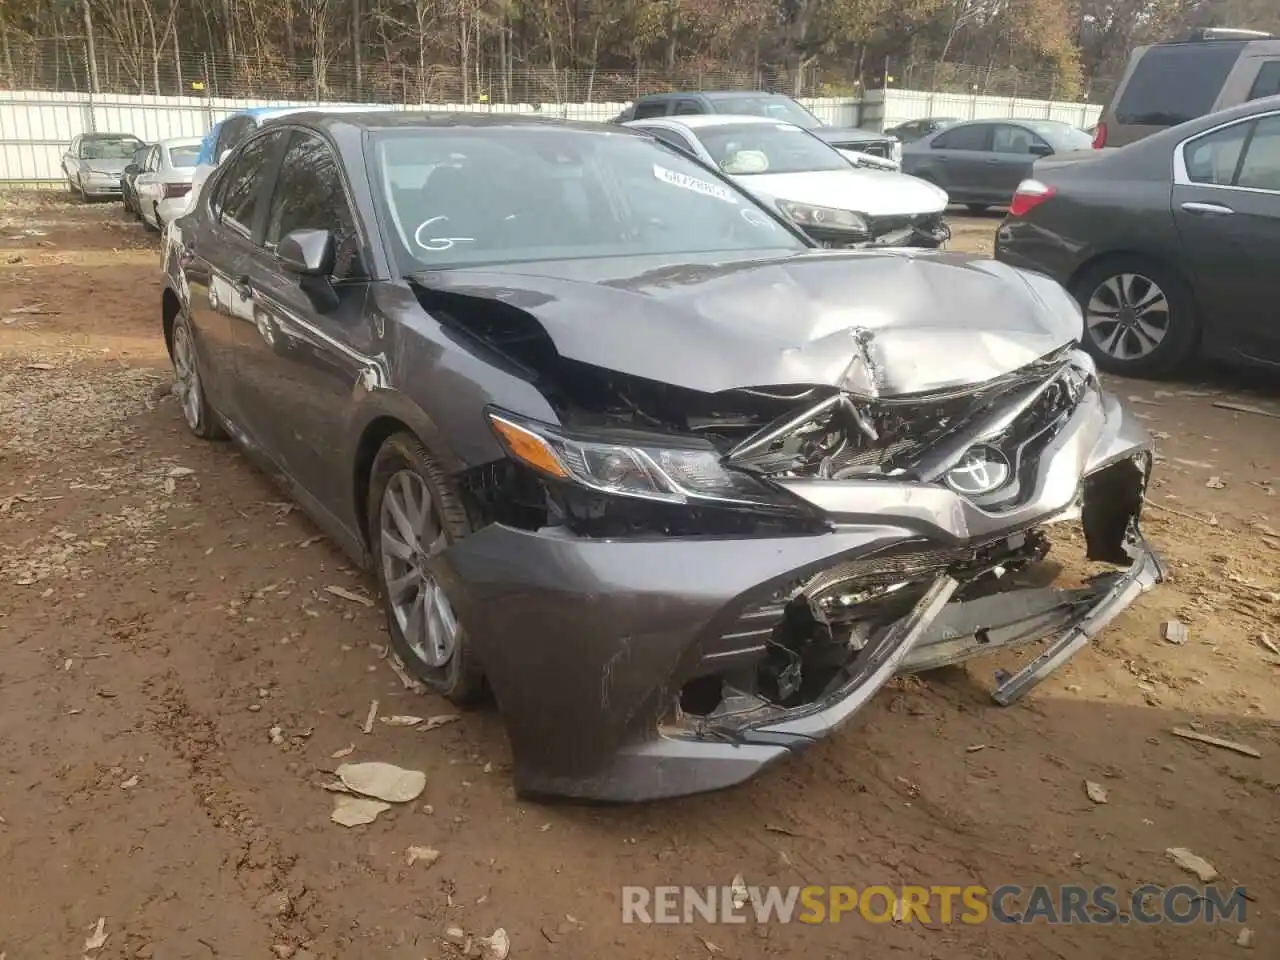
{"type": "Point", "coordinates": [36, 127]}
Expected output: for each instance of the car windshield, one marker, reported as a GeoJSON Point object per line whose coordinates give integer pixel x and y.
{"type": "Point", "coordinates": [1061, 136]}
{"type": "Point", "coordinates": [109, 148]}
{"type": "Point", "coordinates": [456, 196]}
{"type": "Point", "coordinates": [184, 156]}
{"type": "Point", "coordinates": [773, 107]}
{"type": "Point", "coordinates": [743, 149]}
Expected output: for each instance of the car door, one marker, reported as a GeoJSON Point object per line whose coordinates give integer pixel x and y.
{"type": "Point", "coordinates": [1014, 149]}
{"type": "Point", "coordinates": [218, 249]}
{"type": "Point", "coordinates": [956, 161]}
{"type": "Point", "coordinates": [308, 343]}
{"type": "Point", "coordinates": [1226, 204]}
{"type": "Point", "coordinates": [69, 160]}
{"type": "Point", "coordinates": [146, 184]}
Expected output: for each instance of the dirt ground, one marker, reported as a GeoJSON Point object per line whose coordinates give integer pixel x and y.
{"type": "Point", "coordinates": [175, 680]}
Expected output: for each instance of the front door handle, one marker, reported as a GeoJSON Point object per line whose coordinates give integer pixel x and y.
{"type": "Point", "coordinates": [992, 160]}
{"type": "Point", "coordinates": [243, 288]}
{"type": "Point", "coordinates": [1207, 209]}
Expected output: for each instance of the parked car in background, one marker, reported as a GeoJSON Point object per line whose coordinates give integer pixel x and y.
{"type": "Point", "coordinates": [758, 103]}
{"type": "Point", "coordinates": [1165, 84]}
{"type": "Point", "coordinates": [1169, 244]}
{"type": "Point", "coordinates": [622, 447]}
{"type": "Point", "coordinates": [130, 173]}
{"type": "Point", "coordinates": [980, 163]}
{"type": "Point", "coordinates": [94, 162]}
{"type": "Point", "coordinates": [164, 182]}
{"type": "Point", "coordinates": [811, 183]}
{"type": "Point", "coordinates": [913, 130]}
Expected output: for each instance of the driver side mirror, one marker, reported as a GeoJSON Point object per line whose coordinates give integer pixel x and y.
{"type": "Point", "coordinates": [1040, 150]}
{"type": "Point", "coordinates": [307, 252]}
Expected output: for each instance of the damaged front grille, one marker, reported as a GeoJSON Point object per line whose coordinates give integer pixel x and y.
{"type": "Point", "coordinates": [839, 436]}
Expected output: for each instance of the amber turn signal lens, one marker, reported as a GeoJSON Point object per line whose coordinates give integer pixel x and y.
{"type": "Point", "coordinates": [527, 447]}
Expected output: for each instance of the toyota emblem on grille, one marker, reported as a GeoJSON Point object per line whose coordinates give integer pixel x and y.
{"type": "Point", "coordinates": [981, 470]}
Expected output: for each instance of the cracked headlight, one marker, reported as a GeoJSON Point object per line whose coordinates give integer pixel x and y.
{"type": "Point", "coordinates": [688, 475]}
{"type": "Point", "coordinates": [809, 216]}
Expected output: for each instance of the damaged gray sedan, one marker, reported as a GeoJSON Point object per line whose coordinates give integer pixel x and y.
{"type": "Point", "coordinates": [623, 449]}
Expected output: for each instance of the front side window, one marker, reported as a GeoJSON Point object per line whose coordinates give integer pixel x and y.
{"type": "Point", "coordinates": [236, 202]}
{"type": "Point", "coordinates": [458, 196]}
{"type": "Point", "coordinates": [742, 149]}
{"type": "Point", "coordinates": [309, 195]}
{"type": "Point", "coordinates": [1011, 139]}
{"type": "Point", "coordinates": [653, 108]}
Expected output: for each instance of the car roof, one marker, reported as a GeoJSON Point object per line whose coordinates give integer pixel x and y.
{"type": "Point", "coordinates": [696, 120]}
{"type": "Point", "coordinates": [718, 94]}
{"type": "Point", "coordinates": [110, 136]}
{"type": "Point", "coordinates": [182, 142]}
{"type": "Point", "coordinates": [426, 119]}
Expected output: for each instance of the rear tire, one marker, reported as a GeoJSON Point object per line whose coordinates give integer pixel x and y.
{"type": "Point", "coordinates": [1140, 316]}
{"type": "Point", "coordinates": [413, 512]}
{"type": "Point", "coordinates": [200, 417]}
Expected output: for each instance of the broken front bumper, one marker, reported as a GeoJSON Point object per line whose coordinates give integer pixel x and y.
{"type": "Point", "coordinates": [587, 643]}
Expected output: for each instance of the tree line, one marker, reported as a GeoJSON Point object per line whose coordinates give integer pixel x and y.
{"type": "Point", "coordinates": [602, 49]}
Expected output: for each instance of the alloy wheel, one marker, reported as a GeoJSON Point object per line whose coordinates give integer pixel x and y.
{"type": "Point", "coordinates": [1127, 316]}
{"type": "Point", "coordinates": [411, 532]}
{"type": "Point", "coordinates": [188, 377]}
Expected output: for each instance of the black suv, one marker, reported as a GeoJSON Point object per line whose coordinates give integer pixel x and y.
{"type": "Point", "coordinates": [758, 103]}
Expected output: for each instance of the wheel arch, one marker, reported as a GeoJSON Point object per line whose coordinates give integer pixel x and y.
{"type": "Point", "coordinates": [390, 414]}
{"type": "Point", "coordinates": [170, 307]}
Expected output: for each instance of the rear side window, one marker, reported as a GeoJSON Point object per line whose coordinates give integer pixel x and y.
{"type": "Point", "coordinates": [1261, 167]}
{"type": "Point", "coordinates": [687, 107]}
{"type": "Point", "coordinates": [654, 108]}
{"type": "Point", "coordinates": [1213, 159]}
{"type": "Point", "coordinates": [236, 202]}
{"type": "Point", "coordinates": [963, 138]}
{"type": "Point", "coordinates": [1268, 82]}
{"type": "Point", "coordinates": [1176, 83]}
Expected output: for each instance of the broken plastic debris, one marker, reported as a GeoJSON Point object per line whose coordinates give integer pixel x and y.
{"type": "Point", "coordinates": [1095, 791]}
{"type": "Point", "coordinates": [346, 594]}
{"type": "Point", "coordinates": [496, 946]}
{"type": "Point", "coordinates": [712, 948]}
{"type": "Point", "coordinates": [373, 714]}
{"type": "Point", "coordinates": [352, 811]}
{"type": "Point", "coordinates": [401, 721]}
{"type": "Point", "coordinates": [1174, 631]}
{"type": "Point", "coordinates": [180, 472]}
{"type": "Point", "coordinates": [1191, 863]}
{"type": "Point", "coordinates": [98, 939]}
{"type": "Point", "coordinates": [344, 752]}
{"type": "Point", "coordinates": [130, 783]}
{"type": "Point", "coordinates": [385, 781]}
{"type": "Point", "coordinates": [441, 720]}
{"type": "Point", "coordinates": [427, 855]}
{"type": "Point", "coordinates": [1215, 483]}
{"type": "Point", "coordinates": [1187, 734]}
{"type": "Point", "coordinates": [1245, 939]}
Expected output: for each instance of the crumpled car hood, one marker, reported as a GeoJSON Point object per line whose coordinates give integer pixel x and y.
{"type": "Point", "coordinates": [875, 323]}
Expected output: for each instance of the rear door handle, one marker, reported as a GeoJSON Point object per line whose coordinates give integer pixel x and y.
{"type": "Point", "coordinates": [243, 288]}
{"type": "Point", "coordinates": [1207, 209]}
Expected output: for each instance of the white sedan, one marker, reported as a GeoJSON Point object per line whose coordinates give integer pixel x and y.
{"type": "Point", "coordinates": [830, 194]}
{"type": "Point", "coordinates": [164, 180]}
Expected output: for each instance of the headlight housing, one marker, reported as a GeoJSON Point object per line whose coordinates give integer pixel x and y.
{"type": "Point", "coordinates": [808, 215]}
{"type": "Point", "coordinates": [691, 475]}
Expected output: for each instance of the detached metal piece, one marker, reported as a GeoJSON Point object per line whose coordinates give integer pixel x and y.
{"type": "Point", "coordinates": [1145, 574]}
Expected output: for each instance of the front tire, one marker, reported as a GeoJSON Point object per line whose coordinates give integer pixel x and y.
{"type": "Point", "coordinates": [413, 513]}
{"type": "Point", "coordinates": [1140, 316]}
{"type": "Point", "coordinates": [200, 417]}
